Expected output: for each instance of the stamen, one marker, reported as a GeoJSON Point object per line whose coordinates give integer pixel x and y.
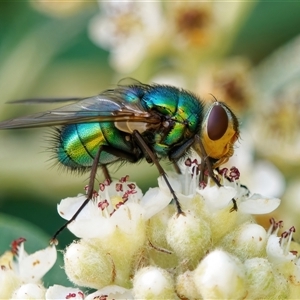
{"type": "Point", "coordinates": [234, 174]}
{"type": "Point", "coordinates": [119, 187]}
{"type": "Point", "coordinates": [71, 295]}
{"type": "Point", "coordinates": [124, 179]}
{"type": "Point", "coordinates": [274, 228]}
{"type": "Point", "coordinates": [16, 244]}
{"type": "Point", "coordinates": [103, 204]}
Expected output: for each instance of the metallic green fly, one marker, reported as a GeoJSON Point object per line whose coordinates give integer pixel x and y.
{"type": "Point", "coordinates": [133, 122]}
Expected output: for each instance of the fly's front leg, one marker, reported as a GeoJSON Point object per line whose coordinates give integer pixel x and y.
{"type": "Point", "coordinates": [149, 153]}
{"type": "Point", "coordinates": [178, 152]}
{"type": "Point", "coordinates": [207, 162]}
{"type": "Point", "coordinates": [198, 146]}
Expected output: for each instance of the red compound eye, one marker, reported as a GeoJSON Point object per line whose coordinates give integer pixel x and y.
{"type": "Point", "coordinates": [217, 123]}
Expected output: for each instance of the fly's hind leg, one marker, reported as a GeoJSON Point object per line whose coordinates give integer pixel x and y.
{"type": "Point", "coordinates": [119, 154]}
{"type": "Point", "coordinates": [89, 194]}
{"type": "Point", "coordinates": [150, 154]}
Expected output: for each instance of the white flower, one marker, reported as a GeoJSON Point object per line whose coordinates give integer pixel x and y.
{"type": "Point", "coordinates": [61, 292]}
{"type": "Point", "coordinates": [115, 206]}
{"type": "Point", "coordinates": [127, 29]}
{"type": "Point", "coordinates": [28, 269]}
{"type": "Point", "coordinates": [284, 259]}
{"type": "Point", "coordinates": [111, 292]}
{"type": "Point", "coordinates": [254, 204]}
{"type": "Point", "coordinates": [278, 248]}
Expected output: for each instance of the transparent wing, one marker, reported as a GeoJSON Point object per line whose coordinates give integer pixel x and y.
{"type": "Point", "coordinates": [109, 106]}
{"type": "Point", "coordinates": [46, 100]}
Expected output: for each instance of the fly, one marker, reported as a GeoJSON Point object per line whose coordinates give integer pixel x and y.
{"type": "Point", "coordinates": [133, 122]}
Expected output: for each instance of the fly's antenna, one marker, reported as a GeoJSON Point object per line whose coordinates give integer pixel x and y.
{"type": "Point", "coordinates": [216, 100]}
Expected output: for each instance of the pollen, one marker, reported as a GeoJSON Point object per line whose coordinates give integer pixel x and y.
{"type": "Point", "coordinates": [116, 200]}
{"type": "Point", "coordinates": [37, 262]}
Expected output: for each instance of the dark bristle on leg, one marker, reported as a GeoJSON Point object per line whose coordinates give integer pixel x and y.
{"type": "Point", "coordinates": [93, 173]}
{"type": "Point", "coordinates": [145, 148]}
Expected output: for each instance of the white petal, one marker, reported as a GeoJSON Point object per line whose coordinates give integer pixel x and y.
{"type": "Point", "coordinates": [69, 206]}
{"type": "Point", "coordinates": [258, 204]}
{"type": "Point", "coordinates": [112, 292]}
{"type": "Point", "coordinates": [154, 201]}
{"type": "Point", "coordinates": [21, 252]}
{"type": "Point", "coordinates": [267, 179]}
{"type": "Point", "coordinates": [35, 266]}
{"type": "Point", "coordinates": [61, 292]}
{"type": "Point", "coordinates": [217, 197]}
{"type": "Point", "coordinates": [93, 227]}
{"type": "Point", "coordinates": [89, 223]}
{"type": "Point", "coordinates": [127, 217]}
{"type": "Point", "coordinates": [275, 252]}
{"type": "Point", "coordinates": [174, 182]}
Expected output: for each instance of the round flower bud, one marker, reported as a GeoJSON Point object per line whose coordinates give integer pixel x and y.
{"type": "Point", "coordinates": [29, 291]}
{"type": "Point", "coordinates": [262, 282]}
{"type": "Point", "coordinates": [185, 286]}
{"type": "Point", "coordinates": [220, 276]}
{"type": "Point", "coordinates": [88, 266]}
{"type": "Point", "coordinates": [189, 236]}
{"type": "Point", "coordinates": [246, 241]}
{"type": "Point", "coordinates": [153, 283]}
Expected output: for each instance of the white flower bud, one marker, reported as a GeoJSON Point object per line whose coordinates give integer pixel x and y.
{"type": "Point", "coordinates": [220, 276]}
{"type": "Point", "coordinates": [160, 253]}
{"type": "Point", "coordinates": [153, 283]}
{"type": "Point", "coordinates": [246, 241]}
{"type": "Point", "coordinates": [9, 281]}
{"type": "Point", "coordinates": [189, 236]}
{"type": "Point", "coordinates": [88, 266]}
{"type": "Point", "coordinates": [260, 278]}
{"type": "Point", "coordinates": [222, 222]}
{"type": "Point", "coordinates": [264, 282]}
{"type": "Point", "coordinates": [185, 286]}
{"type": "Point", "coordinates": [110, 260]}
{"type": "Point", "coordinates": [29, 291]}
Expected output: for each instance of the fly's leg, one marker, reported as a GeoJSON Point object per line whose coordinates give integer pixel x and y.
{"type": "Point", "coordinates": [89, 195]}
{"type": "Point", "coordinates": [146, 149]}
{"type": "Point", "coordinates": [106, 173]}
{"type": "Point", "coordinates": [118, 153]}
{"type": "Point", "coordinates": [176, 167]}
{"type": "Point", "coordinates": [208, 163]}
{"type": "Point", "coordinates": [206, 160]}
{"type": "Point", "coordinates": [178, 152]}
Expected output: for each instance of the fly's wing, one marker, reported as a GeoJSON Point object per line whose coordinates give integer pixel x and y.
{"type": "Point", "coordinates": [46, 100]}
{"type": "Point", "coordinates": [109, 106]}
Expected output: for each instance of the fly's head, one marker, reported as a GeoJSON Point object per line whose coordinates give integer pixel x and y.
{"type": "Point", "coordinates": [219, 132]}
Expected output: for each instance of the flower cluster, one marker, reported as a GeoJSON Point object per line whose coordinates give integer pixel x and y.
{"type": "Point", "coordinates": [135, 246]}
{"type": "Point", "coordinates": [134, 32]}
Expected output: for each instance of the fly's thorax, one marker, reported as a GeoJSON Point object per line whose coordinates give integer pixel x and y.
{"type": "Point", "coordinates": [181, 114]}
{"type": "Point", "coordinates": [220, 130]}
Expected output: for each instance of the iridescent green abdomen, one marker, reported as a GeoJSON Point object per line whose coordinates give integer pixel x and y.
{"type": "Point", "coordinates": [79, 143]}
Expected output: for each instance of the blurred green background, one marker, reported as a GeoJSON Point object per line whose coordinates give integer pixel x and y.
{"type": "Point", "coordinates": [51, 49]}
